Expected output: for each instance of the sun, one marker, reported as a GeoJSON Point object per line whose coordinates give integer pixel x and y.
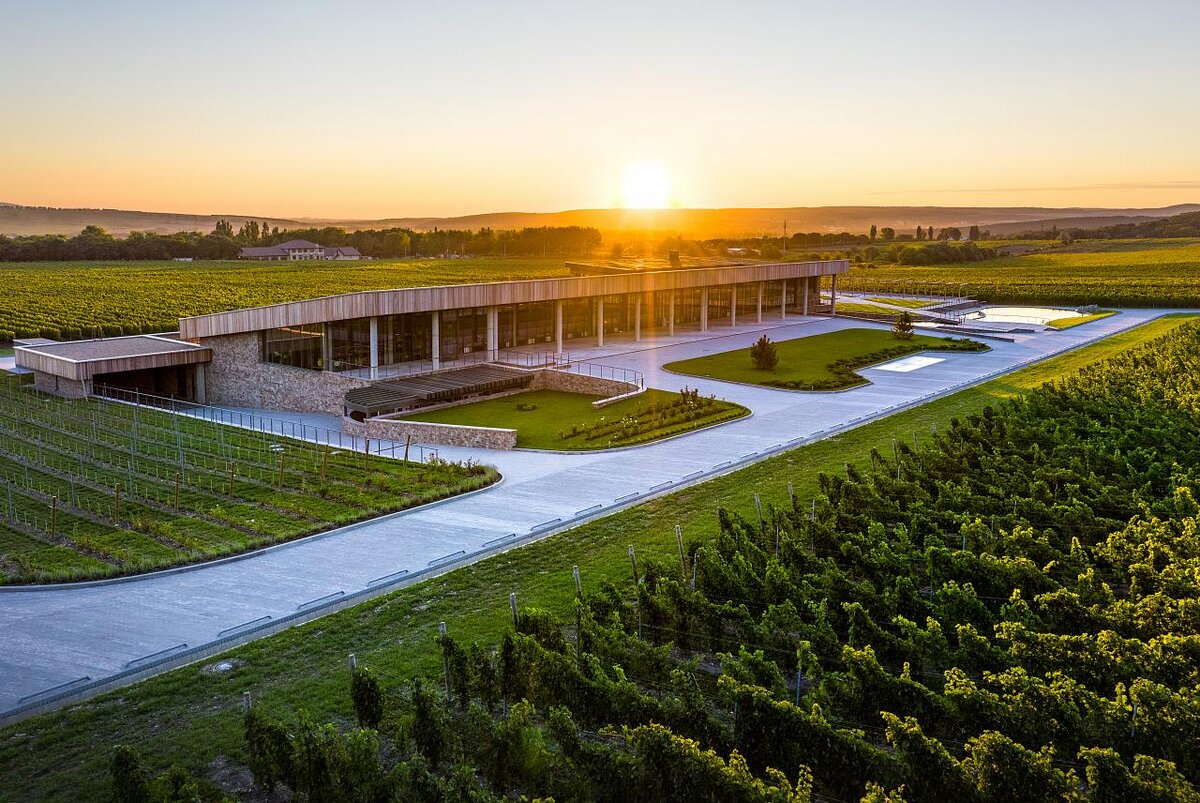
{"type": "Point", "coordinates": [645, 185]}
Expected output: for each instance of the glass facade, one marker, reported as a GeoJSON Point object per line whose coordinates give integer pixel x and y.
{"type": "Point", "coordinates": [351, 344]}
{"type": "Point", "coordinates": [299, 346]}
{"type": "Point", "coordinates": [462, 331]}
{"type": "Point", "coordinates": [405, 338]}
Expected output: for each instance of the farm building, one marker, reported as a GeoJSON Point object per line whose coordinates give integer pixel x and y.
{"type": "Point", "coordinates": [294, 250]}
{"type": "Point", "coordinates": [367, 351]}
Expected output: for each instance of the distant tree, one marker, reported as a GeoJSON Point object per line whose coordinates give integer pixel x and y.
{"type": "Point", "coordinates": [223, 229]}
{"type": "Point", "coordinates": [873, 230]}
{"type": "Point", "coordinates": [1065, 238]}
{"type": "Point", "coordinates": [764, 355]}
{"type": "Point", "coordinates": [902, 329]}
{"type": "Point", "coordinates": [951, 233]}
{"type": "Point", "coordinates": [920, 233]}
{"type": "Point", "coordinates": [887, 233]}
{"type": "Point", "coordinates": [973, 233]}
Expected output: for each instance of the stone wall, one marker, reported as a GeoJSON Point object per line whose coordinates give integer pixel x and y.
{"type": "Point", "coordinates": [238, 377]}
{"type": "Point", "coordinates": [394, 429]}
{"type": "Point", "coordinates": [67, 388]}
{"type": "Point", "coordinates": [569, 382]}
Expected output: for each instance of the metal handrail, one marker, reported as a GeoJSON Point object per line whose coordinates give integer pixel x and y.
{"type": "Point", "coordinates": [256, 422]}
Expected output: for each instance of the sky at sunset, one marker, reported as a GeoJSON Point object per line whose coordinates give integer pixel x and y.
{"type": "Point", "coordinates": [378, 109]}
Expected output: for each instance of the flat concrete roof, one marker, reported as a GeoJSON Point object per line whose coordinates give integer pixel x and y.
{"type": "Point", "coordinates": [83, 359]}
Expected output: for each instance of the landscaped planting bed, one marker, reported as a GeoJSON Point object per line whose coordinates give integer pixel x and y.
{"type": "Point", "coordinates": [552, 419]}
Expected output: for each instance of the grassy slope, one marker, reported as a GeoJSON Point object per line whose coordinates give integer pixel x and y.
{"type": "Point", "coordinates": [557, 411]}
{"type": "Point", "coordinates": [804, 360]}
{"type": "Point", "coordinates": [1164, 273]}
{"type": "Point", "coordinates": [1067, 323]}
{"type": "Point", "coordinates": [192, 718]}
{"type": "Point", "coordinates": [910, 303]}
{"type": "Point", "coordinates": [61, 294]}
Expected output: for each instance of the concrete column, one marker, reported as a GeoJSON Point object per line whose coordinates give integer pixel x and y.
{"type": "Point", "coordinates": [704, 309]}
{"type": "Point", "coordinates": [435, 322]}
{"type": "Point", "coordinates": [373, 323]}
{"type": "Point", "coordinates": [833, 296]}
{"type": "Point", "coordinates": [327, 348]}
{"type": "Point", "coordinates": [758, 309]}
{"type": "Point", "coordinates": [807, 283]}
{"type": "Point", "coordinates": [637, 318]}
{"type": "Point", "coordinates": [558, 332]}
{"type": "Point", "coordinates": [733, 305]}
{"type": "Point", "coordinates": [783, 299]}
{"type": "Point", "coordinates": [201, 391]}
{"type": "Point", "coordinates": [671, 314]}
{"type": "Point", "coordinates": [493, 332]}
{"type": "Point", "coordinates": [600, 321]}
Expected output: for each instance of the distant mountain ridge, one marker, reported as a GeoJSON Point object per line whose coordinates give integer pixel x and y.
{"type": "Point", "coordinates": [16, 219]}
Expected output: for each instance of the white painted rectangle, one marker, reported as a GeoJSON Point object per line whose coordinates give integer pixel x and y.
{"type": "Point", "coordinates": [906, 364]}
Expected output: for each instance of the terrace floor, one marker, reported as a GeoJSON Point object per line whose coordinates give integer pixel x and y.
{"type": "Point", "coordinates": [63, 641]}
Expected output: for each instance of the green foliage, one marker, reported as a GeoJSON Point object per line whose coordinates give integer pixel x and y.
{"type": "Point", "coordinates": [902, 329]}
{"type": "Point", "coordinates": [367, 697]}
{"type": "Point", "coordinates": [130, 781]}
{"type": "Point", "coordinates": [764, 355]}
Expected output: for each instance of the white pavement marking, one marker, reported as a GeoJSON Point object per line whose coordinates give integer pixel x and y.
{"type": "Point", "coordinates": [63, 642]}
{"type": "Point", "coordinates": [907, 364]}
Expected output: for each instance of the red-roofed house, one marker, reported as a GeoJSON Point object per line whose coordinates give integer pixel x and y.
{"type": "Point", "coordinates": [299, 249]}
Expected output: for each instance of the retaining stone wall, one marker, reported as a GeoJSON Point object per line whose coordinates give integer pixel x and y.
{"type": "Point", "coordinates": [550, 379]}
{"type": "Point", "coordinates": [237, 377]}
{"type": "Point", "coordinates": [393, 429]}
{"type": "Point", "coordinates": [58, 386]}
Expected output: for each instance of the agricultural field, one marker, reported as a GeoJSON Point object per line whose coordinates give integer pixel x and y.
{"type": "Point", "coordinates": [73, 300]}
{"type": "Point", "coordinates": [98, 488]}
{"type": "Point", "coordinates": [551, 419]}
{"type": "Point", "coordinates": [193, 718]}
{"type": "Point", "coordinates": [820, 362]}
{"type": "Point", "coordinates": [1139, 273]}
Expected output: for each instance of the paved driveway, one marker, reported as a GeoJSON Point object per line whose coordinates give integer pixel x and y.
{"type": "Point", "coordinates": [60, 643]}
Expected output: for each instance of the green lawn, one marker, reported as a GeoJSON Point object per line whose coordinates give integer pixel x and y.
{"type": "Point", "coordinates": [820, 362]}
{"type": "Point", "coordinates": [1067, 323]}
{"type": "Point", "coordinates": [543, 417]}
{"type": "Point", "coordinates": [6, 352]}
{"type": "Point", "coordinates": [194, 718]}
{"type": "Point", "coordinates": [910, 303]}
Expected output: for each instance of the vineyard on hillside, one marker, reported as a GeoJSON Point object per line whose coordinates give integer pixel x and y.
{"type": "Point", "coordinates": [1150, 274]}
{"type": "Point", "coordinates": [70, 301]}
{"type": "Point", "coordinates": [97, 488]}
{"type": "Point", "coordinates": [1005, 611]}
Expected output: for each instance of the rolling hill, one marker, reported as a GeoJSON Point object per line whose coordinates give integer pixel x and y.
{"type": "Point", "coordinates": [701, 223]}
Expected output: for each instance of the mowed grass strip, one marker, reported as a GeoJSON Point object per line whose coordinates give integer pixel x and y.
{"type": "Point", "coordinates": [811, 363]}
{"type": "Point", "coordinates": [1067, 323]}
{"type": "Point", "coordinates": [553, 419]}
{"type": "Point", "coordinates": [194, 719]}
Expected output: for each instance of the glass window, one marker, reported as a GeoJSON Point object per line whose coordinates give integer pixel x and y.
{"type": "Point", "coordinates": [299, 346]}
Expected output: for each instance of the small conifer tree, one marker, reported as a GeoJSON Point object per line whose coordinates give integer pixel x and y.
{"type": "Point", "coordinates": [902, 329]}
{"type": "Point", "coordinates": [763, 354]}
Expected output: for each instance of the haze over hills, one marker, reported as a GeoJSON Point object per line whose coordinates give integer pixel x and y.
{"type": "Point", "coordinates": [701, 223]}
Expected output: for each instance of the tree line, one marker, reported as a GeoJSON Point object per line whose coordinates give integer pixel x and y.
{"type": "Point", "coordinates": [95, 244]}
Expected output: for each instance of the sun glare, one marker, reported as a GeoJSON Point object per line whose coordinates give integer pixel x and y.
{"type": "Point", "coordinates": [646, 185]}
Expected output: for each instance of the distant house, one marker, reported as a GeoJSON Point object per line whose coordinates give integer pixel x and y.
{"type": "Point", "coordinates": [294, 250]}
